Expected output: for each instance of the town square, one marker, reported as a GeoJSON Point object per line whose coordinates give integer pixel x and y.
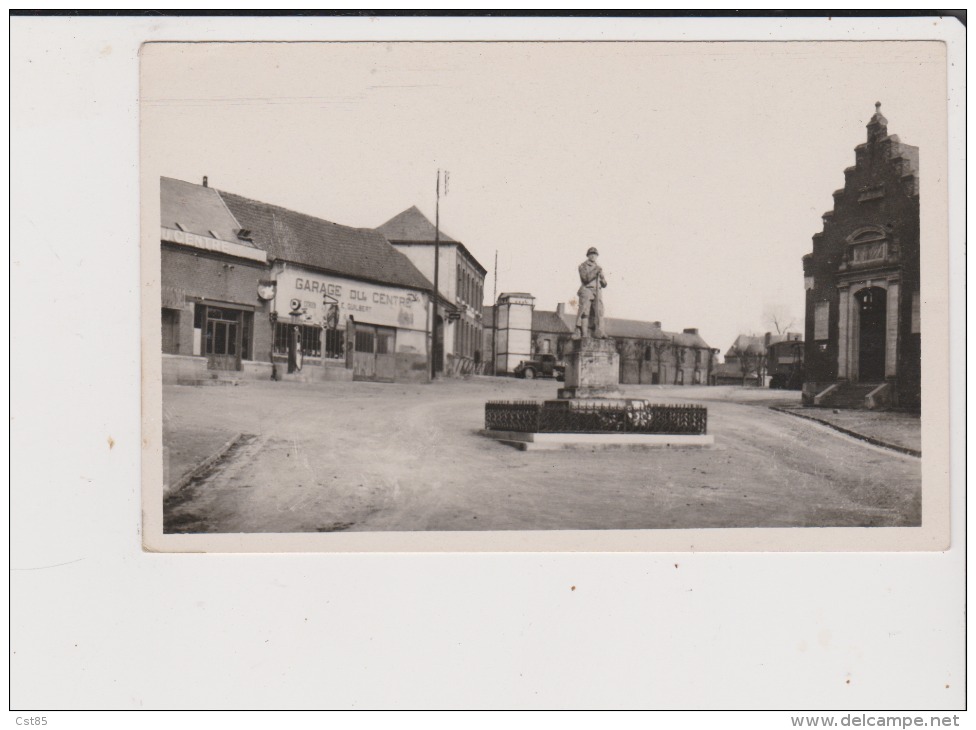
{"type": "Point", "coordinates": [366, 456]}
{"type": "Point", "coordinates": [409, 361]}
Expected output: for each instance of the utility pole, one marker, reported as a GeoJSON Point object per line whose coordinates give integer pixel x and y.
{"type": "Point", "coordinates": [494, 319]}
{"type": "Point", "coordinates": [436, 353]}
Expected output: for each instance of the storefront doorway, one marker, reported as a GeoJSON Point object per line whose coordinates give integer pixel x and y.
{"type": "Point", "coordinates": [872, 310]}
{"type": "Point", "coordinates": [226, 335]}
{"type": "Point", "coordinates": [374, 357]}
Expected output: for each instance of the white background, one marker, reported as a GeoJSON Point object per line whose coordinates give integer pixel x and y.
{"type": "Point", "coordinates": [97, 623]}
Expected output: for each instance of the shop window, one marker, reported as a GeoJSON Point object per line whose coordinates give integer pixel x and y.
{"type": "Point", "coordinates": [171, 331]}
{"type": "Point", "coordinates": [311, 338]}
{"type": "Point", "coordinates": [335, 344]}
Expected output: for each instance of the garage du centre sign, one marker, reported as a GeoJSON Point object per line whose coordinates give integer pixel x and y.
{"type": "Point", "coordinates": [309, 298]}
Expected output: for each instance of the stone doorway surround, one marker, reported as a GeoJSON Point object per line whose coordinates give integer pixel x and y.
{"type": "Point", "coordinates": [848, 332]}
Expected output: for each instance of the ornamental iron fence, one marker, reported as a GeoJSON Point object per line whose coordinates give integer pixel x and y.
{"type": "Point", "coordinates": [556, 417]}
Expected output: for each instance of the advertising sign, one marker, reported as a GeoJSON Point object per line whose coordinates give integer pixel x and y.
{"type": "Point", "coordinates": [309, 297]}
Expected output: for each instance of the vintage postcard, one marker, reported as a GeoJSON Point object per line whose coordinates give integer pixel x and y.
{"type": "Point", "coordinates": [545, 296]}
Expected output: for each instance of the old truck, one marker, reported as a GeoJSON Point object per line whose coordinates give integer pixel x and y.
{"type": "Point", "coordinates": [541, 366]}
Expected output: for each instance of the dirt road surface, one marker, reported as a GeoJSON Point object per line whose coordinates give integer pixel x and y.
{"type": "Point", "coordinates": [368, 456]}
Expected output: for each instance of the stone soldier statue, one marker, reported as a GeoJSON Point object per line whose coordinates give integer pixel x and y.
{"type": "Point", "coordinates": [590, 316]}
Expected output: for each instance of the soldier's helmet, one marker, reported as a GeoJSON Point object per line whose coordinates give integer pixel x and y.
{"type": "Point", "coordinates": [591, 250]}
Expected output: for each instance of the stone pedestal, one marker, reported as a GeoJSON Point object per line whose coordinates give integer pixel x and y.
{"type": "Point", "coordinates": [592, 370]}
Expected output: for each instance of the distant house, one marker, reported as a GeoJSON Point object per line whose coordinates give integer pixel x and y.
{"type": "Point", "coordinates": [784, 361]}
{"type": "Point", "coordinates": [752, 359]}
{"type": "Point", "coordinates": [744, 362]}
{"type": "Point", "coordinates": [515, 330]}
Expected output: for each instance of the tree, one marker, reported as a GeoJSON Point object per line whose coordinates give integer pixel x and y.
{"type": "Point", "coordinates": [778, 318]}
{"type": "Point", "coordinates": [749, 358]}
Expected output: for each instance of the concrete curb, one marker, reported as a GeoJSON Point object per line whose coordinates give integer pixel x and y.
{"type": "Point", "coordinates": [529, 441]}
{"type": "Point", "coordinates": [200, 468]}
{"type": "Point", "coordinates": [846, 431]}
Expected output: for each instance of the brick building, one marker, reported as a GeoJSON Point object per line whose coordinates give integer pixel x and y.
{"type": "Point", "coordinates": [212, 317]}
{"type": "Point", "coordinates": [254, 290]}
{"type": "Point", "coordinates": [461, 280]}
{"type": "Point", "coordinates": [863, 335]}
{"type": "Point", "coordinates": [648, 354]}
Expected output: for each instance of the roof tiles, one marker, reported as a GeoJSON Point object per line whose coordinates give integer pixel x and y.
{"type": "Point", "coordinates": [196, 209]}
{"type": "Point", "coordinates": [359, 253]}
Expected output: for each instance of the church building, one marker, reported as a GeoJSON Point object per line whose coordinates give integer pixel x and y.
{"type": "Point", "coordinates": [863, 334]}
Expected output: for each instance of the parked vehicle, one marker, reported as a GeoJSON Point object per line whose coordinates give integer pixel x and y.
{"type": "Point", "coordinates": [784, 363]}
{"type": "Point", "coordinates": [541, 366]}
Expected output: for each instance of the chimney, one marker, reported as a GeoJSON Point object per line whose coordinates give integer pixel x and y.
{"type": "Point", "coordinates": [561, 308]}
{"type": "Point", "coordinates": [657, 324]}
{"type": "Point", "coordinates": [204, 181]}
{"type": "Point", "coordinates": [691, 330]}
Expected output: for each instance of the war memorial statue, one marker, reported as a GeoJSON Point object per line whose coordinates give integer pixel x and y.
{"type": "Point", "coordinates": [590, 411]}
{"type": "Point", "coordinates": [589, 319]}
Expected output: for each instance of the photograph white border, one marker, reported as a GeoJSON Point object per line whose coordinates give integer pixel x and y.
{"type": "Point", "coordinates": [98, 623]}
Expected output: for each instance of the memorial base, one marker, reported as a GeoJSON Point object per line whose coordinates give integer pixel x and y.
{"type": "Point", "coordinates": [584, 392]}
{"type": "Point", "coordinates": [592, 370]}
{"type": "Point", "coordinates": [594, 441]}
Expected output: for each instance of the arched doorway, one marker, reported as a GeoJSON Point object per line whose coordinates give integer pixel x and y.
{"type": "Point", "coordinates": [872, 310]}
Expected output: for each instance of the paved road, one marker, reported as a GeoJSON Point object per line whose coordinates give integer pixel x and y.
{"type": "Point", "coordinates": [362, 456]}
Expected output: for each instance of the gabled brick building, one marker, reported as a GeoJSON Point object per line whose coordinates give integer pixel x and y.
{"type": "Point", "coordinates": [863, 335]}
{"type": "Point", "coordinates": [457, 338]}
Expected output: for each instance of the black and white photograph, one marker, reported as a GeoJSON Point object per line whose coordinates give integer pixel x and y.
{"type": "Point", "coordinates": [529, 287]}
{"type": "Point", "coordinates": [405, 361]}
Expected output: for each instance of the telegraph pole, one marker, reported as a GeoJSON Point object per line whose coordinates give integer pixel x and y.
{"type": "Point", "coordinates": [494, 318]}
{"type": "Point", "coordinates": [436, 353]}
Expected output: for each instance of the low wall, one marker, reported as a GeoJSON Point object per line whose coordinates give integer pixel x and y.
{"type": "Point", "coordinates": [183, 368]}
{"type": "Point", "coordinates": [188, 369]}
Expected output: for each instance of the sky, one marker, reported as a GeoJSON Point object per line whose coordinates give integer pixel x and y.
{"type": "Point", "coordinates": [699, 170]}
